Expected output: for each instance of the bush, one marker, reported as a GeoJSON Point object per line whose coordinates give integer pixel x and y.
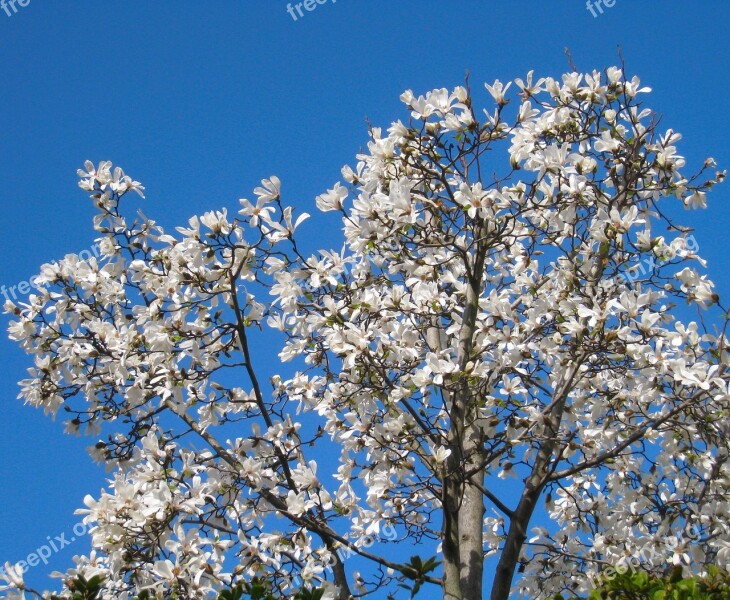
{"type": "Point", "coordinates": [639, 585]}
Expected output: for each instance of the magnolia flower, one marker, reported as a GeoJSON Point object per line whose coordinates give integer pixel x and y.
{"type": "Point", "coordinates": [528, 87]}
{"type": "Point", "coordinates": [696, 200]}
{"type": "Point", "coordinates": [296, 504]}
{"type": "Point", "coordinates": [306, 476]}
{"type": "Point", "coordinates": [257, 213]}
{"type": "Point", "coordinates": [269, 190]}
{"type": "Point", "coordinates": [498, 91]}
{"type": "Point", "coordinates": [13, 576]}
{"type": "Point", "coordinates": [475, 200]}
{"type": "Point", "coordinates": [333, 199]}
{"type": "Point", "coordinates": [217, 222]}
{"type": "Point", "coordinates": [439, 453]}
{"type": "Point", "coordinates": [606, 143]}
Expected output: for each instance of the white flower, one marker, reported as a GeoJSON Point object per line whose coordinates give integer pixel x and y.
{"type": "Point", "coordinates": [498, 91]}
{"type": "Point", "coordinates": [696, 200]}
{"type": "Point", "coordinates": [440, 454]}
{"type": "Point", "coordinates": [332, 199]}
{"type": "Point", "coordinates": [257, 213]}
{"type": "Point", "coordinates": [296, 504]}
{"type": "Point", "coordinates": [269, 190]}
{"type": "Point", "coordinates": [13, 575]}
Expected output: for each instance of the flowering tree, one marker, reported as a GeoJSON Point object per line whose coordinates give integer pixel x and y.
{"type": "Point", "coordinates": [481, 323]}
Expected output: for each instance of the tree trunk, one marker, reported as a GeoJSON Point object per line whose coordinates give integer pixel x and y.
{"type": "Point", "coordinates": [466, 524]}
{"type": "Point", "coordinates": [450, 530]}
{"type": "Point", "coordinates": [515, 539]}
{"type": "Point", "coordinates": [471, 520]}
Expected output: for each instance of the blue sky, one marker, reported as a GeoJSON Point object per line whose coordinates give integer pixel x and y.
{"type": "Point", "coordinates": [200, 100]}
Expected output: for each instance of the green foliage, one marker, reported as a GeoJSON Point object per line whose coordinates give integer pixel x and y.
{"type": "Point", "coordinates": [417, 570]}
{"type": "Point", "coordinates": [260, 589]}
{"type": "Point", "coordinates": [639, 585]}
{"type": "Point", "coordinates": [257, 589]}
{"type": "Point", "coordinates": [83, 589]}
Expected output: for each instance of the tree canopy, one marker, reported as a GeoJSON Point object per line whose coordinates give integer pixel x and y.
{"type": "Point", "coordinates": [499, 362]}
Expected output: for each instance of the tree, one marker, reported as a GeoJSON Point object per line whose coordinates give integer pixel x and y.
{"type": "Point", "coordinates": [478, 325]}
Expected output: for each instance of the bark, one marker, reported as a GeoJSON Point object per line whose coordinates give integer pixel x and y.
{"type": "Point", "coordinates": [450, 532]}
{"type": "Point", "coordinates": [471, 521]}
{"type": "Point", "coordinates": [451, 491]}
{"type": "Point", "coordinates": [518, 531]}
{"type": "Point", "coordinates": [343, 587]}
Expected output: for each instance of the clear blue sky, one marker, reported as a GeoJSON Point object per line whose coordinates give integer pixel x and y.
{"type": "Point", "coordinates": [201, 99]}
